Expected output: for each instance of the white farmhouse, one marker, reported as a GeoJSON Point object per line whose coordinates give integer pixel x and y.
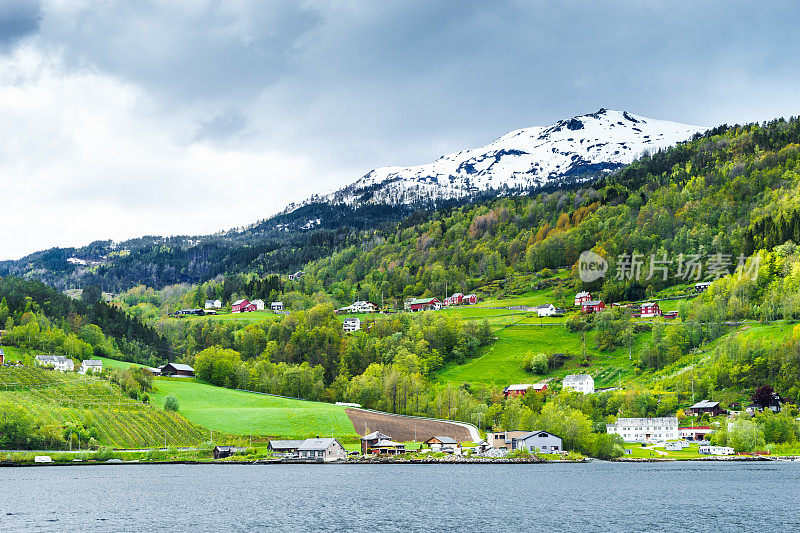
{"type": "Point", "coordinates": [276, 306]}
{"type": "Point", "coordinates": [213, 304]}
{"type": "Point", "coordinates": [322, 450]}
{"type": "Point", "coordinates": [645, 429]}
{"type": "Point", "coordinates": [546, 310]}
{"type": "Point", "coordinates": [351, 324]}
{"type": "Point", "coordinates": [95, 365]}
{"type": "Point", "coordinates": [579, 382]}
{"type": "Point", "coordinates": [364, 307]}
{"type": "Point", "coordinates": [259, 304]}
{"type": "Point", "coordinates": [58, 362]}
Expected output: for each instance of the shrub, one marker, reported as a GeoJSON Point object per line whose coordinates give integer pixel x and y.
{"type": "Point", "coordinates": [171, 403]}
{"type": "Point", "coordinates": [539, 363]}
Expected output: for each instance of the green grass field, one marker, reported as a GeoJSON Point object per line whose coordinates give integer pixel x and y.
{"type": "Point", "coordinates": [55, 398]}
{"type": "Point", "coordinates": [254, 316]}
{"type": "Point", "coordinates": [504, 362]}
{"type": "Point", "coordinates": [13, 354]}
{"type": "Point", "coordinates": [113, 364]}
{"type": "Point", "coordinates": [238, 412]}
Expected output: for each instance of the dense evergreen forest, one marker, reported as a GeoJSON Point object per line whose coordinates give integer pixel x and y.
{"type": "Point", "coordinates": [283, 243]}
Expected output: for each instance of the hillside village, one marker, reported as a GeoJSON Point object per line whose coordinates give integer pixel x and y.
{"type": "Point", "coordinates": [658, 435]}
{"type": "Point", "coordinates": [477, 312]}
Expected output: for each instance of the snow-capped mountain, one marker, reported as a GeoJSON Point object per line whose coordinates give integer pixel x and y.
{"type": "Point", "coordinates": [570, 151]}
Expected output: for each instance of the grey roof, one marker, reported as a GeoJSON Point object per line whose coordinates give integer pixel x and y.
{"type": "Point", "coordinates": [316, 444]}
{"type": "Point", "coordinates": [705, 404]}
{"type": "Point", "coordinates": [534, 433]}
{"type": "Point", "coordinates": [92, 362]}
{"type": "Point", "coordinates": [179, 366]}
{"type": "Point", "coordinates": [574, 378]}
{"type": "Point", "coordinates": [51, 358]}
{"type": "Point", "coordinates": [445, 440]}
{"type": "Point", "coordinates": [229, 449]}
{"type": "Point", "coordinates": [285, 444]}
{"type": "Point", "coordinates": [592, 302]}
{"type": "Point", "coordinates": [389, 444]}
{"type": "Point", "coordinates": [376, 435]}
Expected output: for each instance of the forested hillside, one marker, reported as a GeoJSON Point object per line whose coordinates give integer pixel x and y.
{"type": "Point", "coordinates": [38, 317]}
{"type": "Point", "coordinates": [731, 191]}
{"type": "Point", "coordinates": [282, 243]}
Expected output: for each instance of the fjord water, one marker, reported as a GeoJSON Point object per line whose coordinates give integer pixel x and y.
{"type": "Point", "coordinates": [695, 496]}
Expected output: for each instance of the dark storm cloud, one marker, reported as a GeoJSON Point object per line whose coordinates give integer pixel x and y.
{"type": "Point", "coordinates": [442, 71]}
{"type": "Point", "coordinates": [18, 18]}
{"type": "Point", "coordinates": [251, 104]}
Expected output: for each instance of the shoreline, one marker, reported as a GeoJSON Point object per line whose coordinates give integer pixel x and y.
{"type": "Point", "coordinates": [388, 461]}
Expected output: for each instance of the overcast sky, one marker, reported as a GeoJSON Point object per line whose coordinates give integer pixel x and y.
{"type": "Point", "coordinates": [120, 119]}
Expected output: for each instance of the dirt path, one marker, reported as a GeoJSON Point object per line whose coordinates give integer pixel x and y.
{"type": "Point", "coordinates": [407, 428]}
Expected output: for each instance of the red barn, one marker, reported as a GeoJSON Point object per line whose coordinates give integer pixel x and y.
{"type": "Point", "coordinates": [470, 299]}
{"type": "Point", "coordinates": [592, 306]}
{"type": "Point", "coordinates": [521, 388]}
{"type": "Point", "coordinates": [424, 304]}
{"type": "Point", "coordinates": [242, 306]}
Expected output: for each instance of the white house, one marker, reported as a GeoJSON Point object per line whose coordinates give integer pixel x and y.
{"type": "Point", "coordinates": [259, 304]}
{"type": "Point", "coordinates": [213, 304]}
{"type": "Point", "coordinates": [58, 362]}
{"type": "Point", "coordinates": [538, 441]}
{"type": "Point", "coordinates": [351, 324]}
{"type": "Point", "coordinates": [548, 310]}
{"type": "Point", "coordinates": [645, 429]}
{"type": "Point", "coordinates": [364, 307]}
{"type": "Point", "coordinates": [716, 450]}
{"type": "Point", "coordinates": [322, 450]}
{"type": "Point", "coordinates": [695, 433]}
{"type": "Point", "coordinates": [276, 306]}
{"type": "Point", "coordinates": [95, 365]}
{"type": "Point", "coordinates": [581, 297]}
{"type": "Point", "coordinates": [580, 382]}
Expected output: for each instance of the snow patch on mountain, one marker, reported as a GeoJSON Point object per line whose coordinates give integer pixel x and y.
{"type": "Point", "coordinates": [570, 151]}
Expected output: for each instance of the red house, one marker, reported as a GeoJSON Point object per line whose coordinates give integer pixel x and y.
{"type": "Point", "coordinates": [592, 306]}
{"type": "Point", "coordinates": [581, 297]}
{"type": "Point", "coordinates": [650, 310]}
{"type": "Point", "coordinates": [242, 306]}
{"type": "Point", "coordinates": [424, 304]}
{"type": "Point", "coordinates": [470, 299]}
{"type": "Point", "coordinates": [521, 388]}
